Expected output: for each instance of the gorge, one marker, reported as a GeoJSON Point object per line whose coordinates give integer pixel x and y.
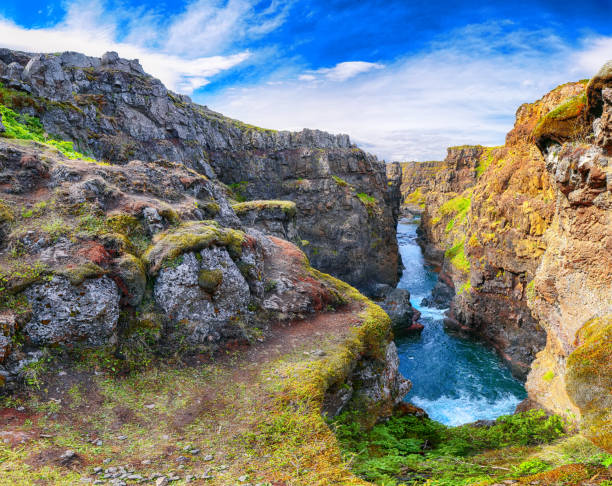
{"type": "Point", "coordinates": [165, 315]}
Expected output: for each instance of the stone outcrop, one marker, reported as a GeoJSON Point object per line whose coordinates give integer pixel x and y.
{"type": "Point", "coordinates": [378, 381]}
{"type": "Point", "coordinates": [111, 109]}
{"type": "Point", "coordinates": [276, 218]}
{"type": "Point", "coordinates": [94, 254]}
{"type": "Point", "coordinates": [396, 303]}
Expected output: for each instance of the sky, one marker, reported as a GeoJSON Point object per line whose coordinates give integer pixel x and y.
{"type": "Point", "coordinates": [405, 79]}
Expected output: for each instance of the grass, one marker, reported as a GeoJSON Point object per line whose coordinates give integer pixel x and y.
{"type": "Point", "coordinates": [341, 182]}
{"type": "Point", "coordinates": [260, 418]}
{"type": "Point", "coordinates": [456, 207]}
{"type": "Point", "coordinates": [26, 127]}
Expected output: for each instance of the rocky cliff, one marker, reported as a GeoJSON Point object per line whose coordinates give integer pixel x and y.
{"type": "Point", "coordinates": [524, 234]}
{"type": "Point", "coordinates": [111, 109]}
{"type": "Point", "coordinates": [571, 294]}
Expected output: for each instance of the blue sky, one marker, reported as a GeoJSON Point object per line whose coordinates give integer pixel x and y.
{"type": "Point", "coordinates": [404, 79]}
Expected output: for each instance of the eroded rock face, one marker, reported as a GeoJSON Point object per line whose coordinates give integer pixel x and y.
{"type": "Point", "coordinates": [208, 295]}
{"type": "Point", "coordinates": [572, 284]}
{"type": "Point", "coordinates": [66, 313]}
{"type": "Point", "coordinates": [133, 116]}
{"type": "Point", "coordinates": [376, 381]}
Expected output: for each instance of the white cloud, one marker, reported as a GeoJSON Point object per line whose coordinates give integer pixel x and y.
{"type": "Point", "coordinates": [595, 51]}
{"type": "Point", "coordinates": [178, 52]}
{"type": "Point", "coordinates": [464, 90]}
{"type": "Point", "coordinates": [341, 71]}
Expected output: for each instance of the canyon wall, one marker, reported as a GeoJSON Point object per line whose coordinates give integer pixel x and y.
{"type": "Point", "coordinates": [111, 109]}
{"type": "Point", "coordinates": [524, 232]}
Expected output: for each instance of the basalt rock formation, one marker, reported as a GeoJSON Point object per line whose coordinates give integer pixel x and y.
{"type": "Point", "coordinates": [111, 109]}
{"type": "Point", "coordinates": [524, 230]}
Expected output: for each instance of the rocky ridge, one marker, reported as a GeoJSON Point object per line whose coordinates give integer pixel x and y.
{"type": "Point", "coordinates": [111, 109]}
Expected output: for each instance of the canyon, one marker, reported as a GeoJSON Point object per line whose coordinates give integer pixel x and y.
{"type": "Point", "coordinates": [187, 297]}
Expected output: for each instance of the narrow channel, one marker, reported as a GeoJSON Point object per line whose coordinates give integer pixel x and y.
{"type": "Point", "coordinates": [455, 380]}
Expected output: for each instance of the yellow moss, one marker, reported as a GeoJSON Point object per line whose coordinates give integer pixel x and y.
{"type": "Point", "coordinates": [288, 207]}
{"type": "Point", "coordinates": [416, 197]}
{"type": "Point", "coordinates": [209, 280]}
{"type": "Point", "coordinates": [191, 236]}
{"type": "Point", "coordinates": [6, 215]}
{"type": "Point", "coordinates": [79, 273]}
{"type": "Point", "coordinates": [589, 379]}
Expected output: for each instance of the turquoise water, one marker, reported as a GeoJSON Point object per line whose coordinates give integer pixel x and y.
{"type": "Point", "coordinates": [456, 381]}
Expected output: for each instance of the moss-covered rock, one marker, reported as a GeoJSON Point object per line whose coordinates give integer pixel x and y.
{"type": "Point", "coordinates": [565, 123]}
{"type": "Point", "coordinates": [589, 379]}
{"type": "Point", "coordinates": [287, 206]}
{"type": "Point", "coordinates": [6, 215]}
{"type": "Point", "coordinates": [77, 274]}
{"type": "Point", "coordinates": [191, 236]}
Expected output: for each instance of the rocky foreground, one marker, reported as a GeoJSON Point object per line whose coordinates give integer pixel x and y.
{"type": "Point", "coordinates": [524, 236]}
{"type": "Point", "coordinates": [158, 325]}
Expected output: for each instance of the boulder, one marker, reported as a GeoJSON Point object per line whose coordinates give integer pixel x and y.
{"type": "Point", "coordinates": [396, 303]}
{"type": "Point", "coordinates": [67, 313]}
{"type": "Point", "coordinates": [207, 293]}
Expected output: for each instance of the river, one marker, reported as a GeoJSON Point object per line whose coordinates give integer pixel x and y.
{"type": "Point", "coordinates": [455, 380]}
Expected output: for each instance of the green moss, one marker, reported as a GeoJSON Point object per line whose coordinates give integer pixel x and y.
{"type": "Point", "coordinates": [370, 203]}
{"type": "Point", "coordinates": [485, 160]}
{"type": "Point", "coordinates": [26, 127]}
{"type": "Point", "coordinates": [530, 290]}
{"type": "Point", "coordinates": [211, 208]}
{"type": "Point", "coordinates": [209, 280]}
{"type": "Point", "coordinates": [565, 123]}
{"type": "Point", "coordinates": [78, 274]}
{"type": "Point", "coordinates": [548, 376]}
{"type": "Point", "coordinates": [238, 190]}
{"type": "Point", "coordinates": [340, 182]}
{"type": "Point", "coordinates": [456, 255]}
{"type": "Point", "coordinates": [459, 204]}
{"type": "Point", "coordinates": [128, 232]}
{"type": "Point", "coordinates": [288, 207]}
{"type": "Point", "coordinates": [191, 236]}
{"type": "Point", "coordinates": [416, 198]}
{"type": "Point", "coordinates": [458, 207]}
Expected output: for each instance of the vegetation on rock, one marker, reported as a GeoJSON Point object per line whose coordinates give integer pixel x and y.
{"type": "Point", "coordinates": [26, 127]}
